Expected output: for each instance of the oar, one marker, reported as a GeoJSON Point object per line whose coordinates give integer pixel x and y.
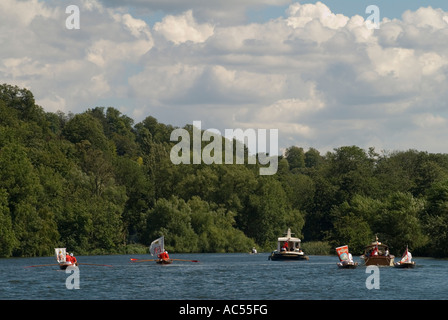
{"type": "Point", "coordinates": [94, 264]}
{"type": "Point", "coordinates": [43, 265]}
{"type": "Point", "coordinates": [185, 260]}
{"type": "Point", "coordinates": [142, 260]}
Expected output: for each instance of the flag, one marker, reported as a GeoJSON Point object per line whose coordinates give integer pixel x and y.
{"type": "Point", "coordinates": [60, 254]}
{"type": "Point", "coordinates": [342, 253]}
{"type": "Point", "coordinates": [375, 250]}
{"type": "Point", "coordinates": [407, 256]}
{"type": "Point", "coordinates": [157, 246]}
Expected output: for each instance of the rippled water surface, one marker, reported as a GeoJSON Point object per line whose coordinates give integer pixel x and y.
{"type": "Point", "coordinates": [220, 276]}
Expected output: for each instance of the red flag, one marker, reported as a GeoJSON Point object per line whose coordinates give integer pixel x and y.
{"type": "Point", "coordinates": [375, 251]}
{"type": "Point", "coordinates": [342, 252]}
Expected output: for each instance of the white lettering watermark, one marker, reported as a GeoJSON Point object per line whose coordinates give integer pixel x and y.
{"type": "Point", "coordinates": [72, 281]}
{"type": "Point", "coordinates": [73, 20]}
{"type": "Point", "coordinates": [212, 152]}
{"type": "Point", "coordinates": [373, 281]}
{"type": "Point", "coordinates": [373, 21]}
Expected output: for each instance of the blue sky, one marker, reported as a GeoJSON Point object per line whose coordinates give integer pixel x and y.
{"type": "Point", "coordinates": [313, 70]}
{"type": "Point", "coordinates": [389, 8]}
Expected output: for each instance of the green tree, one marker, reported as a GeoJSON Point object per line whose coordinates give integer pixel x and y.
{"type": "Point", "coordinates": [91, 222]}
{"type": "Point", "coordinates": [399, 222]}
{"type": "Point", "coordinates": [85, 127]}
{"type": "Point", "coordinates": [299, 189]}
{"type": "Point", "coordinates": [436, 219]}
{"type": "Point", "coordinates": [140, 192]}
{"type": "Point", "coordinates": [313, 158]}
{"type": "Point", "coordinates": [172, 218]}
{"type": "Point", "coordinates": [33, 224]}
{"type": "Point", "coordinates": [23, 101]}
{"type": "Point", "coordinates": [267, 212]}
{"type": "Point", "coordinates": [215, 228]}
{"type": "Point", "coordinates": [353, 231]}
{"type": "Point", "coordinates": [295, 157]}
{"type": "Point", "coordinates": [351, 170]}
{"type": "Point", "coordinates": [395, 220]}
{"type": "Point", "coordinates": [354, 223]}
{"type": "Point", "coordinates": [8, 241]}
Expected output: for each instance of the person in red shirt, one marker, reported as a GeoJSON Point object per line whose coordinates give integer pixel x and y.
{"type": "Point", "coordinates": [73, 259]}
{"type": "Point", "coordinates": [164, 255]}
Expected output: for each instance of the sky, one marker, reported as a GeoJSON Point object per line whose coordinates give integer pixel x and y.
{"type": "Point", "coordinates": [314, 70]}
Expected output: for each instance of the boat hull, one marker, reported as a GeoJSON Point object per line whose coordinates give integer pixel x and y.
{"type": "Point", "coordinates": [387, 261]}
{"type": "Point", "coordinates": [404, 265]}
{"type": "Point", "coordinates": [164, 261]}
{"type": "Point", "coordinates": [352, 265]}
{"type": "Point", "coordinates": [287, 256]}
{"type": "Point", "coordinates": [64, 266]}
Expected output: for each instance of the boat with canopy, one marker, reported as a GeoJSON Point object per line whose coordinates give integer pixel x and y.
{"type": "Point", "coordinates": [288, 248]}
{"type": "Point", "coordinates": [377, 254]}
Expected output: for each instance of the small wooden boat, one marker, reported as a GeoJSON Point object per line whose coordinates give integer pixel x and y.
{"type": "Point", "coordinates": [345, 258]}
{"type": "Point", "coordinates": [404, 265]}
{"type": "Point", "coordinates": [406, 261]}
{"type": "Point", "coordinates": [377, 254]}
{"type": "Point", "coordinates": [164, 261]}
{"type": "Point", "coordinates": [347, 265]}
{"type": "Point", "coordinates": [157, 248]}
{"type": "Point", "coordinates": [61, 255]}
{"type": "Point", "coordinates": [65, 265]}
{"type": "Point", "coordinates": [288, 248]}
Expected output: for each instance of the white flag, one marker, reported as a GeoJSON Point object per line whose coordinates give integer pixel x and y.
{"type": "Point", "coordinates": [157, 246]}
{"type": "Point", "coordinates": [60, 254]}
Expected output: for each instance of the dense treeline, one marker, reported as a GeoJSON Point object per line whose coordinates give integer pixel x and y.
{"type": "Point", "coordinates": [96, 182]}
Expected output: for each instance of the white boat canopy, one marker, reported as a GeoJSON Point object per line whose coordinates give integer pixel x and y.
{"type": "Point", "coordinates": [288, 237]}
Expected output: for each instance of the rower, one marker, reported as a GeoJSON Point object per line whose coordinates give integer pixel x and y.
{"type": "Point", "coordinates": [73, 259]}
{"type": "Point", "coordinates": [164, 255]}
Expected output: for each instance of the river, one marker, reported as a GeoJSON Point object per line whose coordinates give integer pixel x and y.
{"type": "Point", "coordinates": [220, 277]}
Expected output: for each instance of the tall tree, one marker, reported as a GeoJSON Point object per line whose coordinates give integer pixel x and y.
{"type": "Point", "coordinates": [436, 219]}
{"type": "Point", "coordinates": [8, 240]}
{"type": "Point", "coordinates": [295, 157]}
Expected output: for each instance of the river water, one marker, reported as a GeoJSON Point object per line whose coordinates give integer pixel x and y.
{"type": "Point", "coordinates": [220, 277]}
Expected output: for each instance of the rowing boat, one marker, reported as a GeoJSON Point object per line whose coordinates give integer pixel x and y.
{"type": "Point", "coordinates": [406, 261]}
{"type": "Point", "coordinates": [61, 255]}
{"type": "Point", "coordinates": [405, 265]}
{"type": "Point", "coordinates": [347, 265]}
{"type": "Point", "coordinates": [65, 265]}
{"type": "Point", "coordinates": [345, 258]}
{"type": "Point", "coordinates": [157, 248]}
{"type": "Point", "coordinates": [164, 261]}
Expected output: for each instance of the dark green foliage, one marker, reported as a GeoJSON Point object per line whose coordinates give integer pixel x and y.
{"type": "Point", "coordinates": [95, 182]}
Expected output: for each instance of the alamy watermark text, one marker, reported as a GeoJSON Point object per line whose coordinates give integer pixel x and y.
{"type": "Point", "coordinates": [212, 153]}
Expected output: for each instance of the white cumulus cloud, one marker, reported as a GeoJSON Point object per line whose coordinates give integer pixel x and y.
{"type": "Point", "coordinates": [321, 77]}
{"type": "Point", "coordinates": [183, 28]}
